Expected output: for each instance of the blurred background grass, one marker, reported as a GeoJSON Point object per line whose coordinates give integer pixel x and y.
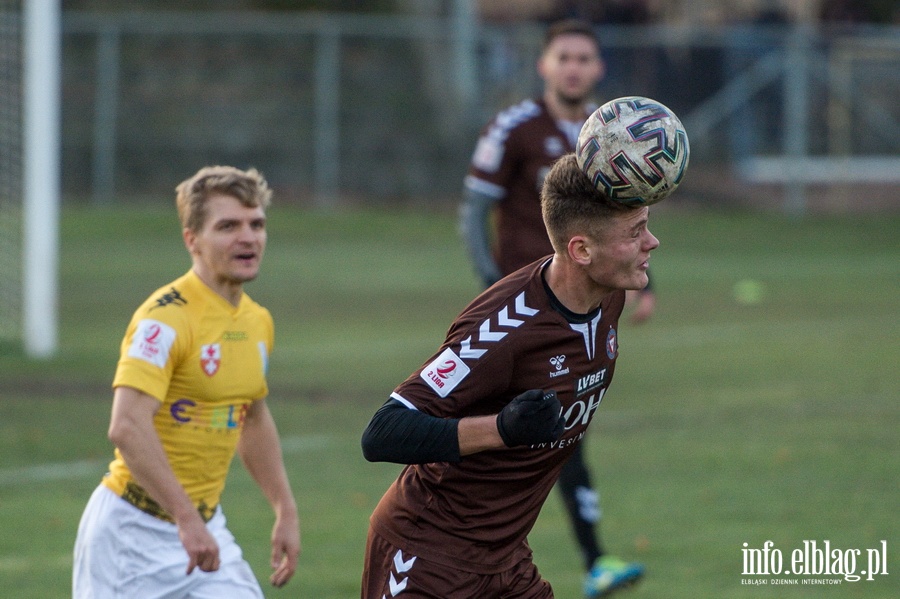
{"type": "Point", "coordinates": [729, 421]}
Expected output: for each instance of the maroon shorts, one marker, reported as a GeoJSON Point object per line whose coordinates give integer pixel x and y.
{"type": "Point", "coordinates": [389, 572]}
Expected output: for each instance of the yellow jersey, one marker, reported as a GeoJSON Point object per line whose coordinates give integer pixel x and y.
{"type": "Point", "coordinates": [206, 361]}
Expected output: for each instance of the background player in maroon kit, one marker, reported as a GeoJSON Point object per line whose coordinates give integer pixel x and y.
{"type": "Point", "coordinates": [503, 229]}
{"type": "Point", "coordinates": [487, 423]}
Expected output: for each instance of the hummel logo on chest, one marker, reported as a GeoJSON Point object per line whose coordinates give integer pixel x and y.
{"type": "Point", "coordinates": [557, 362]}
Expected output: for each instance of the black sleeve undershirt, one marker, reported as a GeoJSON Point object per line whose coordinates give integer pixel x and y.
{"type": "Point", "coordinates": [403, 435]}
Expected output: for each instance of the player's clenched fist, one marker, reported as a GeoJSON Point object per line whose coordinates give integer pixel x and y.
{"type": "Point", "coordinates": [532, 417]}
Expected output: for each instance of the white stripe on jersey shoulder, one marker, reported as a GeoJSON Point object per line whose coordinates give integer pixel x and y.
{"type": "Point", "coordinates": [405, 402]}
{"type": "Point", "coordinates": [489, 333]}
{"type": "Point", "coordinates": [485, 187]}
{"type": "Point", "coordinates": [512, 117]}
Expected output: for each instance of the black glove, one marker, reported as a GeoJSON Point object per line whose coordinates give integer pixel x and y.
{"type": "Point", "coordinates": [532, 417]}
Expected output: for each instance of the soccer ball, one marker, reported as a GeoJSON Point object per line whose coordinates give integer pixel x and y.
{"type": "Point", "coordinates": [634, 149]}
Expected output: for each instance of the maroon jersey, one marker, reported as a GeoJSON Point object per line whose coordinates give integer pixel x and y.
{"type": "Point", "coordinates": [512, 157]}
{"type": "Point", "coordinates": [475, 515]}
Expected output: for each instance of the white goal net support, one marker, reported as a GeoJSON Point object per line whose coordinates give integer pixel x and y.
{"type": "Point", "coordinates": [29, 173]}
{"type": "Point", "coordinates": [11, 171]}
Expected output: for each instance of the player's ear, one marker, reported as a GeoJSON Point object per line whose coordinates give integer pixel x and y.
{"type": "Point", "coordinates": [579, 251]}
{"type": "Point", "coordinates": [189, 237]}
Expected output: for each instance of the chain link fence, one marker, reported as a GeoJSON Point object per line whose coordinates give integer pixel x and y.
{"type": "Point", "coordinates": [344, 109]}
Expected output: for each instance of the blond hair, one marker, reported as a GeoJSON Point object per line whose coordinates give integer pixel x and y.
{"type": "Point", "coordinates": [248, 187]}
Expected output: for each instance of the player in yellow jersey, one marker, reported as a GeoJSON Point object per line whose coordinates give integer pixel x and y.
{"type": "Point", "coordinates": [189, 392]}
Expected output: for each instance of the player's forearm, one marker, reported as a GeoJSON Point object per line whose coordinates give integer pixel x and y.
{"type": "Point", "coordinates": [260, 451]}
{"type": "Point", "coordinates": [479, 433]}
{"type": "Point", "coordinates": [534, 416]}
{"type": "Point", "coordinates": [404, 435]}
{"type": "Point", "coordinates": [474, 219]}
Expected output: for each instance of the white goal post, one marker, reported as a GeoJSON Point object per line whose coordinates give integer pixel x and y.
{"type": "Point", "coordinates": [41, 179]}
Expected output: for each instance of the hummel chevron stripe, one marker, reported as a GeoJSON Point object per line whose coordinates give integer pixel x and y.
{"type": "Point", "coordinates": [403, 566]}
{"type": "Point", "coordinates": [466, 350]}
{"type": "Point", "coordinates": [486, 335]}
{"type": "Point", "coordinates": [505, 321]}
{"type": "Point", "coordinates": [400, 565]}
{"type": "Point", "coordinates": [521, 308]}
{"type": "Point", "coordinates": [397, 587]}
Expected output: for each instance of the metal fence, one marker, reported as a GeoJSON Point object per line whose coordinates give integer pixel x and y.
{"type": "Point", "coordinates": [351, 108]}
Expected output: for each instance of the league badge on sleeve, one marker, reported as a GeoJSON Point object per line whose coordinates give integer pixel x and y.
{"type": "Point", "coordinates": [151, 342]}
{"type": "Point", "coordinates": [488, 154]}
{"type": "Point", "coordinates": [445, 372]}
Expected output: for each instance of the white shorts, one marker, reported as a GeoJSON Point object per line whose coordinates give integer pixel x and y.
{"type": "Point", "coordinates": [124, 553]}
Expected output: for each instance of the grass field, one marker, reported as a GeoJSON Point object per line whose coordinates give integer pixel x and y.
{"type": "Point", "coordinates": [728, 422]}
